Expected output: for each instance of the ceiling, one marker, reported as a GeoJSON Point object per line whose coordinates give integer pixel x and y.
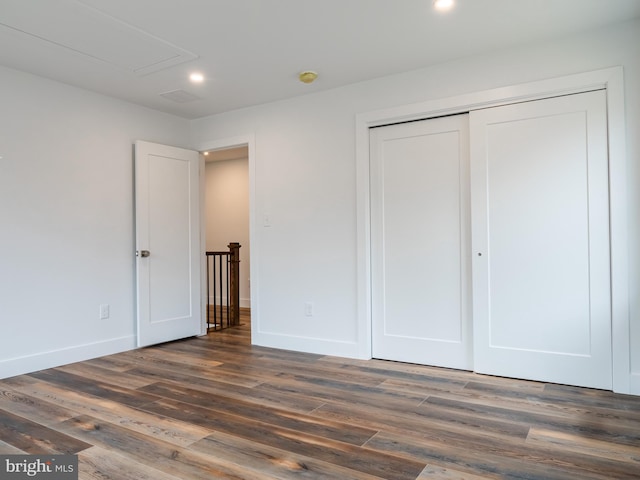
{"type": "Point", "coordinates": [234, 153]}
{"type": "Point", "coordinates": [251, 51]}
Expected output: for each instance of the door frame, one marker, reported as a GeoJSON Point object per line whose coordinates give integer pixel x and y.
{"type": "Point", "coordinates": [610, 79]}
{"type": "Point", "coordinates": [223, 144]}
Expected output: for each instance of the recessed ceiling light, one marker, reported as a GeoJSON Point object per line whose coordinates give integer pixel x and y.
{"type": "Point", "coordinates": [206, 153]}
{"type": "Point", "coordinates": [196, 77]}
{"type": "Point", "coordinates": [443, 5]}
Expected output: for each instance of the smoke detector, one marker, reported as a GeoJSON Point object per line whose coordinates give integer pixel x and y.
{"type": "Point", "coordinates": [307, 76]}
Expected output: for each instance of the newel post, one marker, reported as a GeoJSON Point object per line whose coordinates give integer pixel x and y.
{"type": "Point", "coordinates": [234, 281]}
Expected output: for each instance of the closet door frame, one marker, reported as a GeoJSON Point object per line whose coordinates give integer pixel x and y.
{"type": "Point", "coordinates": [610, 79]}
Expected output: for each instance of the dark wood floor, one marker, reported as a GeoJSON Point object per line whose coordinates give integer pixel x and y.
{"type": "Point", "coordinates": [216, 407]}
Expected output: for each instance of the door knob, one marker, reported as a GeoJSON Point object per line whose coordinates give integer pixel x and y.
{"type": "Point", "coordinates": [143, 253]}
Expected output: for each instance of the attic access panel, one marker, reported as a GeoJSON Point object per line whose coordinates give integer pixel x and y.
{"type": "Point", "coordinates": [75, 26]}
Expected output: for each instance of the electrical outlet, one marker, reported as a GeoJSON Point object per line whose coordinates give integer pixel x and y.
{"type": "Point", "coordinates": [308, 309]}
{"type": "Point", "coordinates": [104, 311]}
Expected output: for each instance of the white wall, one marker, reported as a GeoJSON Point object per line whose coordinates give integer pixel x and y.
{"type": "Point", "coordinates": [66, 219]}
{"type": "Point", "coordinates": [305, 180]}
{"type": "Point", "coordinates": [227, 213]}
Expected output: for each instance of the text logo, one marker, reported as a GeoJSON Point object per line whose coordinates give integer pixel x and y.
{"type": "Point", "coordinates": [50, 467]}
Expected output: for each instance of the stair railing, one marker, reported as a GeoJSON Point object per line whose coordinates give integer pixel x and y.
{"type": "Point", "coordinates": [223, 288]}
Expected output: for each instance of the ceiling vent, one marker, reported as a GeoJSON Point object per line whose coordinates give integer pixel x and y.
{"type": "Point", "coordinates": [179, 96]}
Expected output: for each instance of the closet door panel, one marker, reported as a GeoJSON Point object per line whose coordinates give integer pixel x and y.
{"type": "Point", "coordinates": [420, 242]}
{"type": "Point", "coordinates": [540, 240]}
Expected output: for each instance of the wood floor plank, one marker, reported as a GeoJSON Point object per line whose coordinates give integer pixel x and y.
{"type": "Point", "coordinates": [294, 402]}
{"type": "Point", "coordinates": [154, 373]}
{"type": "Point", "coordinates": [592, 397]}
{"type": "Point", "coordinates": [222, 406]}
{"type": "Point", "coordinates": [221, 342]}
{"type": "Point", "coordinates": [589, 427]}
{"type": "Point", "coordinates": [398, 368]}
{"type": "Point", "coordinates": [422, 387]}
{"type": "Point", "coordinates": [188, 360]}
{"type": "Point", "coordinates": [433, 472]}
{"type": "Point", "coordinates": [104, 375]}
{"type": "Point", "coordinates": [411, 375]}
{"type": "Point", "coordinates": [434, 452]}
{"type": "Point", "coordinates": [279, 463]}
{"type": "Point", "coordinates": [376, 409]}
{"type": "Point", "coordinates": [265, 366]}
{"type": "Point", "coordinates": [97, 463]}
{"type": "Point", "coordinates": [79, 383]}
{"type": "Point", "coordinates": [178, 368]}
{"type": "Point", "coordinates": [518, 403]}
{"type": "Point", "coordinates": [16, 381]}
{"type": "Point", "coordinates": [340, 453]}
{"type": "Point", "coordinates": [435, 423]}
{"type": "Point", "coordinates": [34, 438]}
{"type": "Point", "coordinates": [548, 400]}
{"type": "Point", "coordinates": [167, 429]}
{"type": "Point", "coordinates": [398, 371]}
{"type": "Point", "coordinates": [6, 449]}
{"type": "Point", "coordinates": [564, 441]}
{"type": "Point", "coordinates": [329, 389]}
{"type": "Point", "coordinates": [250, 364]}
{"type": "Point", "coordinates": [491, 460]}
{"type": "Point", "coordinates": [267, 369]}
{"type": "Point", "coordinates": [36, 409]}
{"type": "Point", "coordinates": [114, 363]}
{"type": "Point", "coordinates": [157, 454]}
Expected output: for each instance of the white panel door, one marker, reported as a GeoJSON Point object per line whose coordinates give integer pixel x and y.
{"type": "Point", "coordinates": [421, 242]}
{"type": "Point", "coordinates": [540, 228]}
{"type": "Point", "coordinates": [167, 243]}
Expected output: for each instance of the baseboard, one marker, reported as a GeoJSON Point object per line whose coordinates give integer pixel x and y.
{"type": "Point", "coordinates": [40, 361]}
{"type": "Point", "coordinates": [306, 344]}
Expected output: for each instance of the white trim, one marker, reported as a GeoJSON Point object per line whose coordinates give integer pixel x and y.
{"type": "Point", "coordinates": [64, 356]}
{"type": "Point", "coordinates": [203, 248]}
{"type": "Point", "coordinates": [363, 235]}
{"type": "Point", "coordinates": [621, 331]}
{"type": "Point", "coordinates": [220, 144]}
{"type": "Point", "coordinates": [609, 78]}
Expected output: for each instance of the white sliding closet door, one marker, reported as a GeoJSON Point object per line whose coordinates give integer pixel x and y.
{"type": "Point", "coordinates": [540, 228]}
{"type": "Point", "coordinates": [421, 242]}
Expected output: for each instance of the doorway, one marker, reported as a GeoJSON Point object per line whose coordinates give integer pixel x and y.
{"type": "Point", "coordinates": [227, 216]}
